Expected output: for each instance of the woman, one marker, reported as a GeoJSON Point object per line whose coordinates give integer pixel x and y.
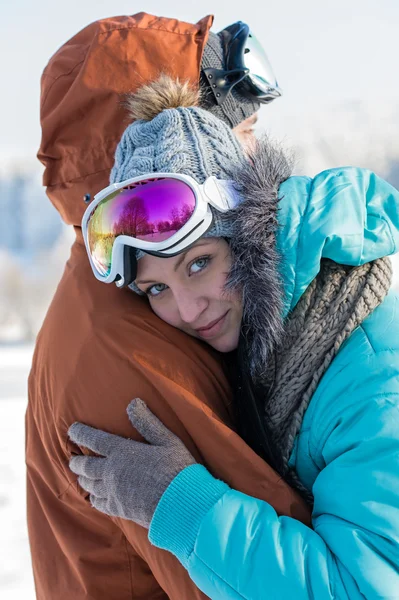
{"type": "Point", "coordinates": [288, 276]}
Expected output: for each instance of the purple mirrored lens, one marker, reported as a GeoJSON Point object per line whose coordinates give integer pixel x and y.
{"type": "Point", "coordinates": [151, 210]}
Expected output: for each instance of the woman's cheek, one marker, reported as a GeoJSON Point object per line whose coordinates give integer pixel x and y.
{"type": "Point", "coordinates": [213, 285]}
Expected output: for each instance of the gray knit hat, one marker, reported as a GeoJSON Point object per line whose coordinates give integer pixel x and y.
{"type": "Point", "coordinates": [171, 134]}
{"type": "Point", "coordinates": [236, 107]}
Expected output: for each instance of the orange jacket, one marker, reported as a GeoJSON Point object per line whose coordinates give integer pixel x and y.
{"type": "Point", "coordinates": [100, 346]}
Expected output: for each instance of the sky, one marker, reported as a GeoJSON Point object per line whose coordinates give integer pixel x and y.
{"type": "Point", "coordinates": [326, 54]}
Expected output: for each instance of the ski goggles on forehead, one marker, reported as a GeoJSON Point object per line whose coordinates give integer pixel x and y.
{"type": "Point", "coordinates": [161, 214]}
{"type": "Point", "coordinates": [247, 67]}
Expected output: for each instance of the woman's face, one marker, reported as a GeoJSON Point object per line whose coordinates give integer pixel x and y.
{"type": "Point", "coordinates": [187, 291]}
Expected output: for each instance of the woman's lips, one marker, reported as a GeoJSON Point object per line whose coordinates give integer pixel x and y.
{"type": "Point", "coordinates": [213, 328]}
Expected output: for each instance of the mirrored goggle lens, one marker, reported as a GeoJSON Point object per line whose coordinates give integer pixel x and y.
{"type": "Point", "coordinates": [152, 210]}
{"type": "Point", "coordinates": [261, 72]}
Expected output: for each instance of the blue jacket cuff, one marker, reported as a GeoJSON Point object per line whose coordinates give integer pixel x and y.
{"type": "Point", "coordinates": [181, 509]}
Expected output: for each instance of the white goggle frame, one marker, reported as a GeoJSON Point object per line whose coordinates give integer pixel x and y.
{"type": "Point", "coordinates": [218, 193]}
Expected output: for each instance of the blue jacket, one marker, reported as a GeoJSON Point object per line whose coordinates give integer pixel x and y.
{"type": "Point", "coordinates": [347, 451]}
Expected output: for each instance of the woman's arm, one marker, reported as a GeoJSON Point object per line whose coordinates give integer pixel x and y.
{"type": "Point", "coordinates": [235, 546]}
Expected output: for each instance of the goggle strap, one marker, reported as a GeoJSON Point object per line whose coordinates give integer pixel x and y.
{"type": "Point", "coordinates": [222, 82]}
{"type": "Point", "coordinates": [129, 267]}
{"type": "Point", "coordinates": [231, 196]}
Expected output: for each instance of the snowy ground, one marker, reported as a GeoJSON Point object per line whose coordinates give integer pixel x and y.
{"type": "Point", "coordinates": [16, 579]}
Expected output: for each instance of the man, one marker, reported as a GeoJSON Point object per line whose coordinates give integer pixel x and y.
{"type": "Point", "coordinates": [101, 346]}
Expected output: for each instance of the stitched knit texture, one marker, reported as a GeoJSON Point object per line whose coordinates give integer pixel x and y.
{"type": "Point", "coordinates": [337, 301]}
{"type": "Point", "coordinates": [189, 141]}
{"type": "Point", "coordinates": [236, 107]}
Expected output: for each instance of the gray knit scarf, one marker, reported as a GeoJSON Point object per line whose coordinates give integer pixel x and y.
{"type": "Point", "coordinates": [338, 300]}
{"type": "Point", "coordinates": [287, 360]}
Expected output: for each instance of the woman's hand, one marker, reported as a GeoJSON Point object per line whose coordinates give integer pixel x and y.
{"type": "Point", "coordinates": [131, 478]}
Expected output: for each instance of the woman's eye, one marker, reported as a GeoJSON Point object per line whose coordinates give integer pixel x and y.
{"type": "Point", "coordinates": [199, 264]}
{"type": "Point", "coordinates": [156, 289]}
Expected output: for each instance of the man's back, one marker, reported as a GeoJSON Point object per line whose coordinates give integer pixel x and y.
{"type": "Point", "coordinates": [90, 373]}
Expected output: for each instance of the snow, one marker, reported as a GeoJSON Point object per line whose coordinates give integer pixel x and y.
{"type": "Point", "coordinates": [16, 579]}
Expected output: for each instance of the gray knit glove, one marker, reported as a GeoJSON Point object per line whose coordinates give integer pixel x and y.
{"type": "Point", "coordinates": [131, 478]}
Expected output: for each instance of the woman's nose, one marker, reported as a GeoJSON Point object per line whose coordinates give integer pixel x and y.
{"type": "Point", "coordinates": [190, 305]}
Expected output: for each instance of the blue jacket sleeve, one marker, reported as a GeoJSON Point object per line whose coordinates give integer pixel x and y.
{"type": "Point", "coordinates": [236, 546]}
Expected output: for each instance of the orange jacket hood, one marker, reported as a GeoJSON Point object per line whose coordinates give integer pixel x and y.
{"type": "Point", "coordinates": [82, 89]}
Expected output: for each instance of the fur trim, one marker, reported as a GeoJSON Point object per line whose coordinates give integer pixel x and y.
{"type": "Point", "coordinates": [159, 95]}
{"type": "Point", "coordinates": [255, 268]}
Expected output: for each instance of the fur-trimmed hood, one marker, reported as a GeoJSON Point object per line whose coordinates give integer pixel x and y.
{"type": "Point", "coordinates": [286, 224]}
{"type": "Point", "coordinates": [256, 261]}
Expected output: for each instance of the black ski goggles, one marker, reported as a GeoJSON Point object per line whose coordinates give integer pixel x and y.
{"type": "Point", "coordinates": [247, 67]}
